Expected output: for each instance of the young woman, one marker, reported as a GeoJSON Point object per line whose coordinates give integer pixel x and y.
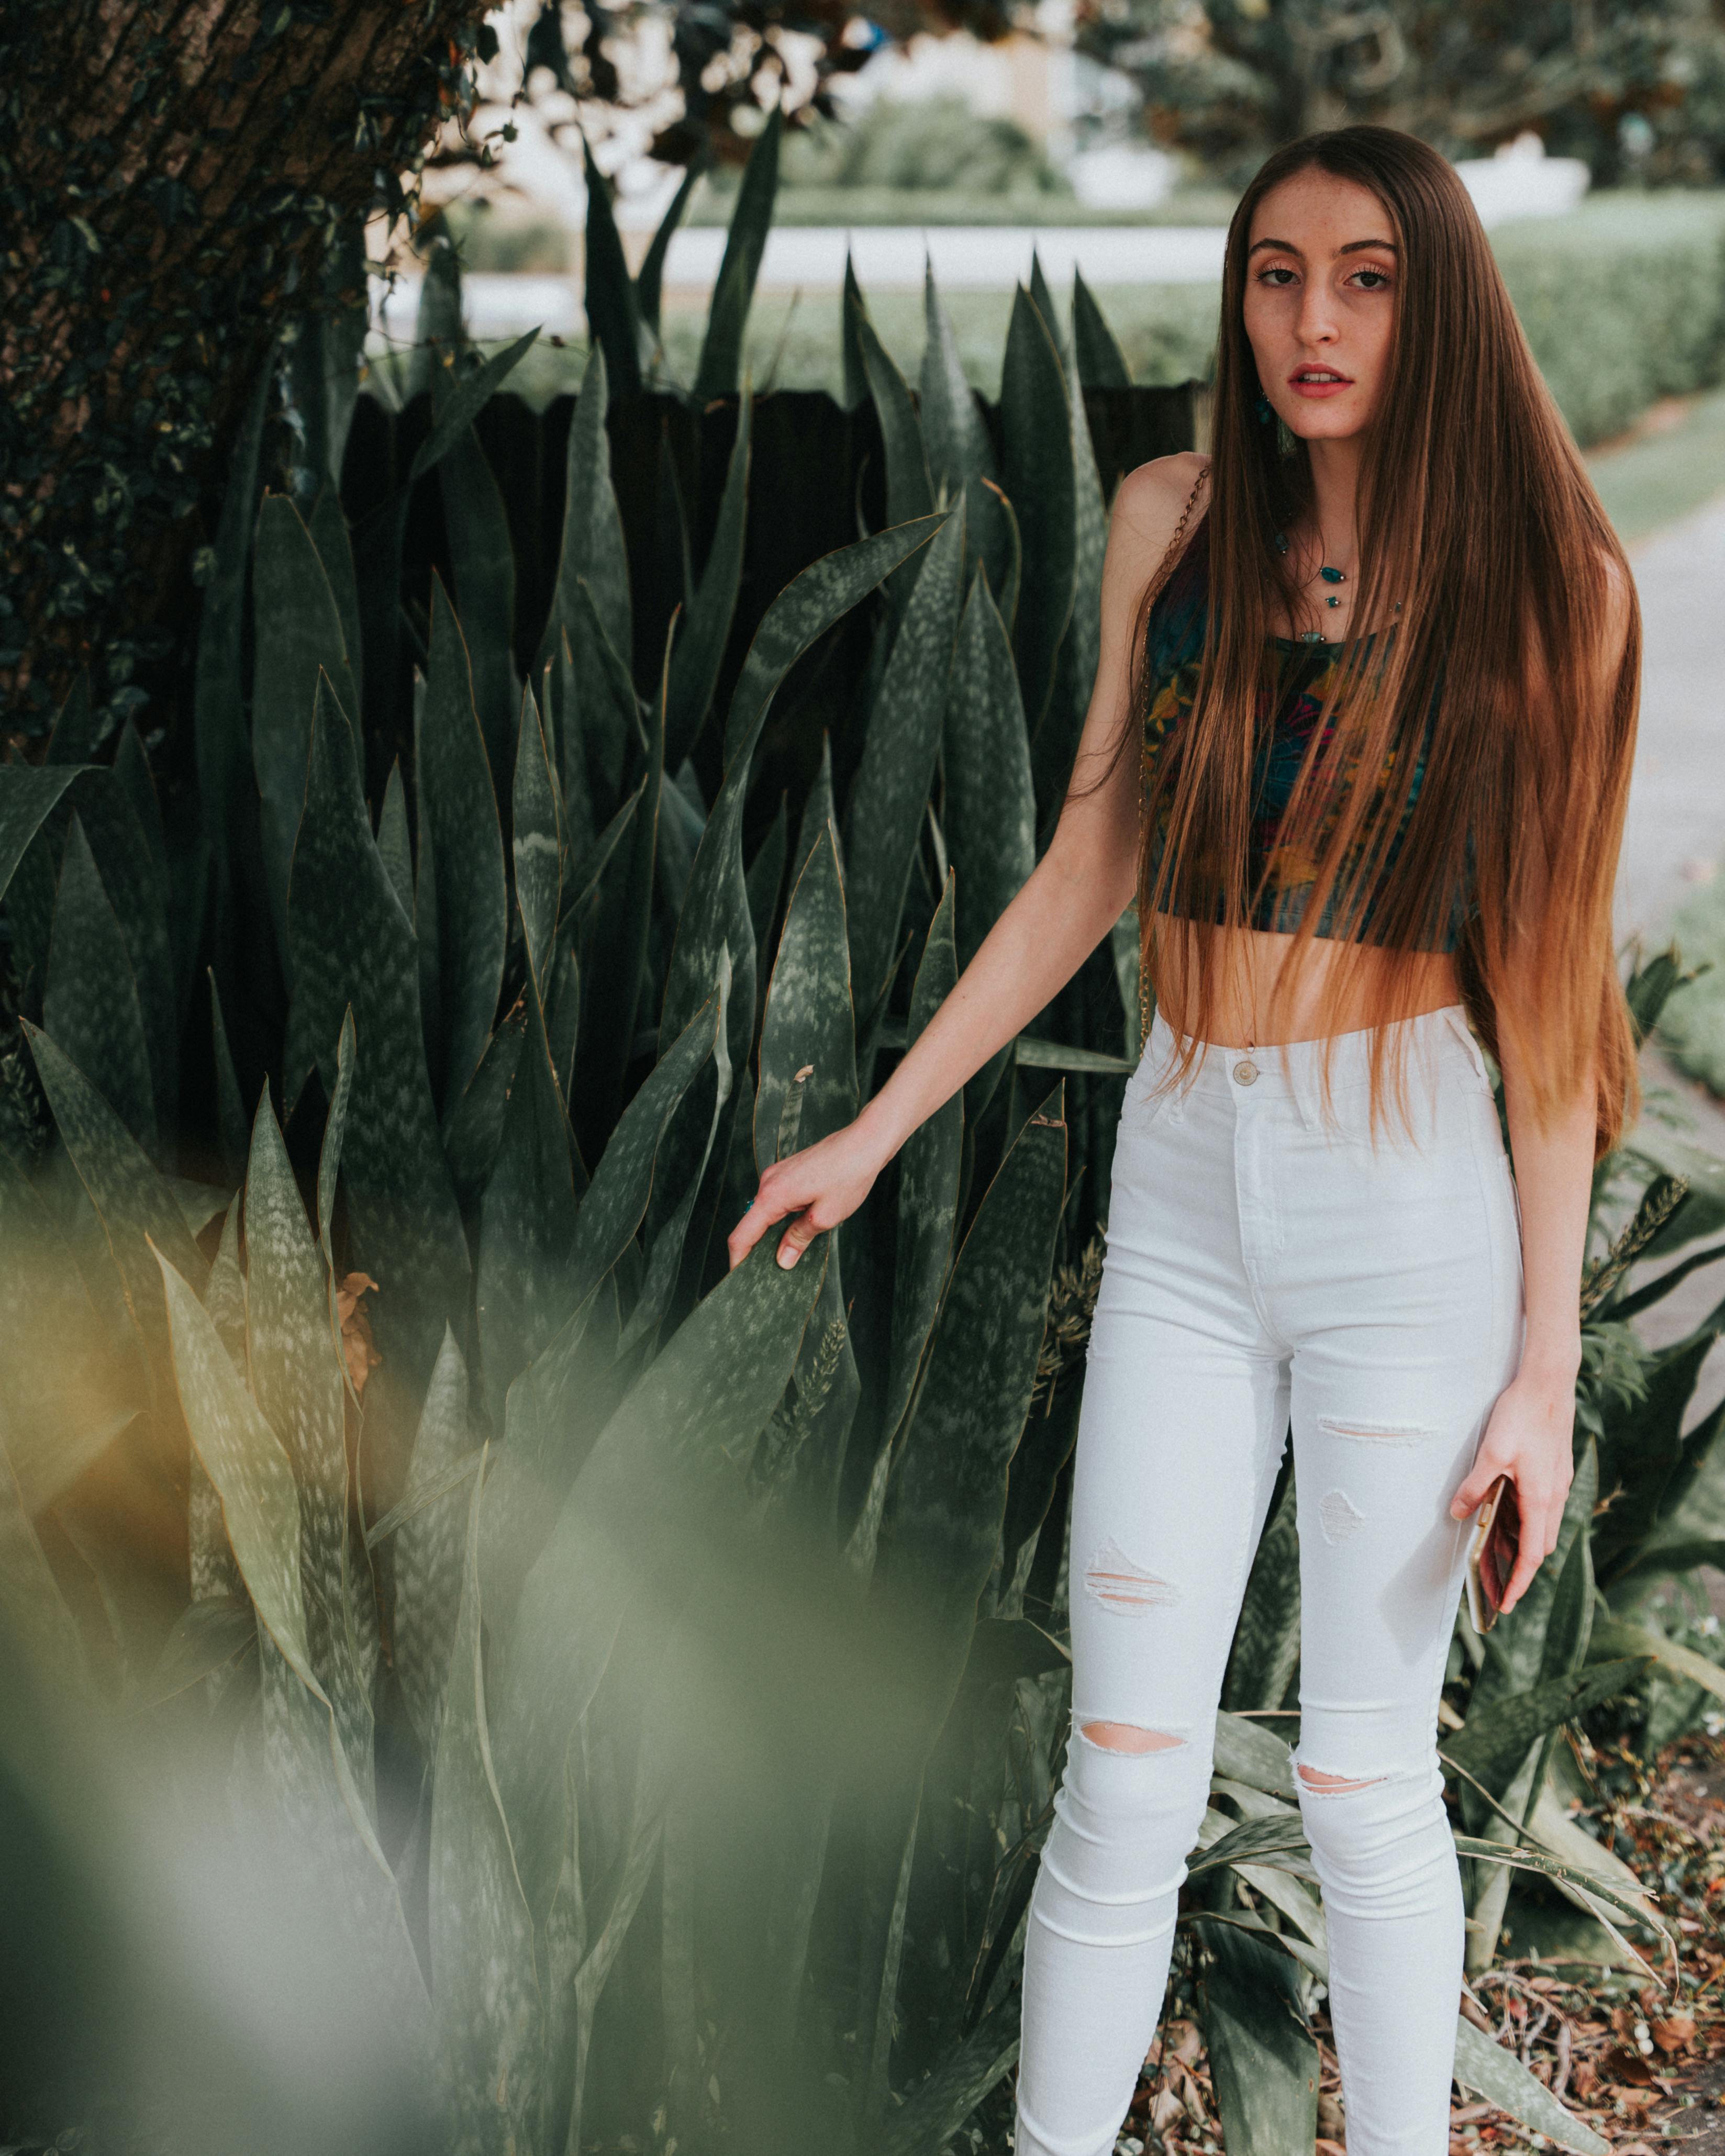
{"type": "Point", "coordinates": [1364, 761]}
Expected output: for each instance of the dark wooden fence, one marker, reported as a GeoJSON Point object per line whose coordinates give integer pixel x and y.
{"type": "Point", "coordinates": [817, 480]}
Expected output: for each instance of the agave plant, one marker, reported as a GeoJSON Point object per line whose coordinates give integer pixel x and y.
{"type": "Point", "coordinates": [657, 1676]}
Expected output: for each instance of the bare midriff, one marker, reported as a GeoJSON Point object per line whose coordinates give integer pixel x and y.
{"type": "Point", "coordinates": [1317, 1003]}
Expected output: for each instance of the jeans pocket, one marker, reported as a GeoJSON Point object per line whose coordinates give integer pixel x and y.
{"type": "Point", "coordinates": [1147, 1097]}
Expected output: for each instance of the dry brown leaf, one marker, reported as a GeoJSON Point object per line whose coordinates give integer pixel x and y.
{"type": "Point", "coordinates": [358, 1350]}
{"type": "Point", "coordinates": [1620, 2064]}
{"type": "Point", "coordinates": [1167, 2110]}
{"type": "Point", "coordinates": [1185, 2042]}
{"type": "Point", "coordinates": [1675, 2033]}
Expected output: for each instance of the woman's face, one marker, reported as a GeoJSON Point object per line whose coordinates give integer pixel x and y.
{"type": "Point", "coordinates": [1320, 301]}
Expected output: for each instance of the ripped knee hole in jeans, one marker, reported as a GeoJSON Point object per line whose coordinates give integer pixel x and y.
{"type": "Point", "coordinates": [1126, 1586]}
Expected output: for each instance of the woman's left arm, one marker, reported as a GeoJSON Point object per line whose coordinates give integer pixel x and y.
{"type": "Point", "coordinates": [1530, 1435]}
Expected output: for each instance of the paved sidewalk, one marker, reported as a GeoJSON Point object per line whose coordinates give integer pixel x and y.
{"type": "Point", "coordinates": [987, 256]}
{"type": "Point", "coordinates": [1676, 817]}
{"type": "Point", "coordinates": [1677, 810]}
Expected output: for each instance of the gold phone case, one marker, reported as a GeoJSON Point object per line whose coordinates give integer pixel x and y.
{"type": "Point", "coordinates": [1480, 1608]}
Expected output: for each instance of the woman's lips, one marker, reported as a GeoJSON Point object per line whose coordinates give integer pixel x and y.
{"type": "Point", "coordinates": [1324, 388]}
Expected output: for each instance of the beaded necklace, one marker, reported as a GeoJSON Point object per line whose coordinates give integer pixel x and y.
{"type": "Point", "coordinates": [1329, 576]}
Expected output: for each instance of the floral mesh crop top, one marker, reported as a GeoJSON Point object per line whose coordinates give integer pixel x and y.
{"type": "Point", "coordinates": [1304, 674]}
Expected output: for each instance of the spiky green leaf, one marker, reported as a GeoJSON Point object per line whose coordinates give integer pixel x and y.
{"type": "Point", "coordinates": [1490, 2072]}
{"type": "Point", "coordinates": [491, 2040]}
{"type": "Point", "coordinates": [89, 1004]}
{"type": "Point", "coordinates": [132, 1199]}
{"type": "Point", "coordinates": [1263, 2054]}
{"type": "Point", "coordinates": [296, 1380]}
{"type": "Point", "coordinates": [939, 1546]}
{"type": "Point", "coordinates": [929, 1185]}
{"type": "Point", "coordinates": [299, 639]}
{"type": "Point", "coordinates": [607, 295]}
{"type": "Point", "coordinates": [727, 318]}
{"type": "Point", "coordinates": [656, 1478]}
{"type": "Point", "coordinates": [536, 842]}
{"type": "Point", "coordinates": [593, 530]}
{"type": "Point", "coordinates": [354, 947]}
{"type": "Point", "coordinates": [1102, 364]}
{"type": "Point", "coordinates": [700, 647]}
{"type": "Point", "coordinates": [889, 795]}
{"type": "Point", "coordinates": [990, 820]}
{"type": "Point", "coordinates": [1036, 427]}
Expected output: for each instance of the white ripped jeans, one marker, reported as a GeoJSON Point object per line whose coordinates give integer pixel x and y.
{"type": "Point", "coordinates": [1267, 1266]}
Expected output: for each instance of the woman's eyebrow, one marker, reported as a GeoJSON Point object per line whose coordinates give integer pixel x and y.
{"type": "Point", "coordinates": [1353, 246]}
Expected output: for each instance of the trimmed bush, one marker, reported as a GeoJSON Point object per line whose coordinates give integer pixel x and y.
{"type": "Point", "coordinates": [1166, 332]}
{"type": "Point", "coordinates": [1623, 301]}
{"type": "Point", "coordinates": [874, 205]}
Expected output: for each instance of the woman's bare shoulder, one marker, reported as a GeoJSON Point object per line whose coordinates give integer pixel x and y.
{"type": "Point", "coordinates": [1151, 500]}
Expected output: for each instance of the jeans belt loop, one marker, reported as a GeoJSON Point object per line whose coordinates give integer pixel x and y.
{"type": "Point", "coordinates": [1305, 1081]}
{"type": "Point", "coordinates": [1459, 1025]}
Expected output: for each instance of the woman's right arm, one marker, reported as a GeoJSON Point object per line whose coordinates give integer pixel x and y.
{"type": "Point", "coordinates": [1077, 891]}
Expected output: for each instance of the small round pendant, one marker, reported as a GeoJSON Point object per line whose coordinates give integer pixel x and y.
{"type": "Point", "coordinates": [1332, 602]}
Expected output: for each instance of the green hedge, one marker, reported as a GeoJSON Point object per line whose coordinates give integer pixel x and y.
{"type": "Point", "coordinates": [1624, 302]}
{"type": "Point", "coordinates": [876, 205]}
{"type": "Point", "coordinates": [1166, 332]}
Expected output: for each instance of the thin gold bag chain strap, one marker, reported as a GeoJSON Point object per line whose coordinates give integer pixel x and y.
{"type": "Point", "coordinates": [1165, 568]}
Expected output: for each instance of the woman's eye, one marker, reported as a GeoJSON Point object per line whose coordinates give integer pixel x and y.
{"type": "Point", "coordinates": [1276, 275]}
{"type": "Point", "coordinates": [1372, 280]}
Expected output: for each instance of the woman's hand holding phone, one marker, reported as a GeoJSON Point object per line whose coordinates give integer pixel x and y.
{"type": "Point", "coordinates": [1528, 1439]}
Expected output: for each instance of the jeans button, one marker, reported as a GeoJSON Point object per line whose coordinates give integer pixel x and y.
{"type": "Point", "coordinates": [1245, 1073]}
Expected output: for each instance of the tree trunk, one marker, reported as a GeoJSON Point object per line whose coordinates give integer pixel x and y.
{"type": "Point", "coordinates": [171, 171]}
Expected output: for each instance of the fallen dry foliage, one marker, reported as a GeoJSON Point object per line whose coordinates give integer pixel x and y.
{"type": "Point", "coordinates": [359, 1351]}
{"type": "Point", "coordinates": [1642, 2064]}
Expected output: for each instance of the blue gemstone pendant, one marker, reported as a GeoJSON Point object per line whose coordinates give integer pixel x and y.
{"type": "Point", "coordinates": [1333, 577]}
{"type": "Point", "coordinates": [1313, 636]}
{"type": "Point", "coordinates": [1332, 602]}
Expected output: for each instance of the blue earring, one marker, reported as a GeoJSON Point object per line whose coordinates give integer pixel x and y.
{"type": "Point", "coordinates": [1262, 409]}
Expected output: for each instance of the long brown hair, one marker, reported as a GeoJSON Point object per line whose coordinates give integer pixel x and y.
{"type": "Point", "coordinates": [1476, 513]}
